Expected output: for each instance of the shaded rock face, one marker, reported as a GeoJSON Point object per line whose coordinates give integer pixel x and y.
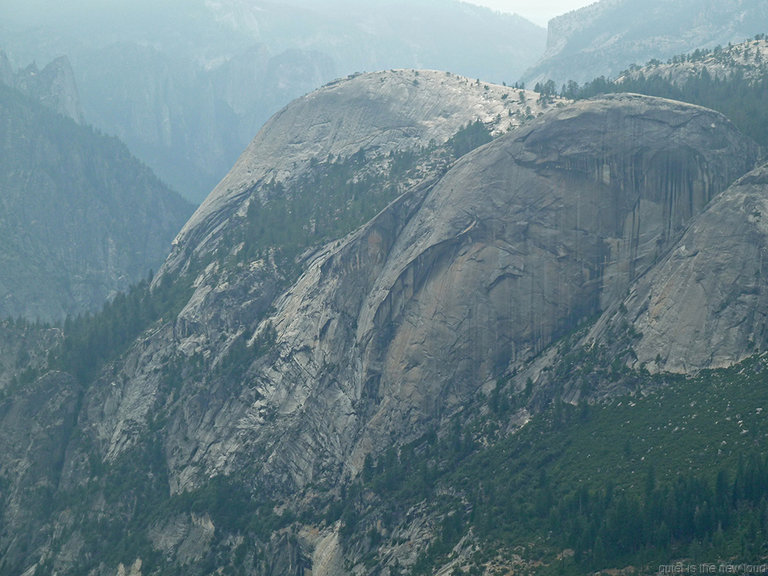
{"type": "Point", "coordinates": [519, 242]}
{"type": "Point", "coordinates": [705, 304]}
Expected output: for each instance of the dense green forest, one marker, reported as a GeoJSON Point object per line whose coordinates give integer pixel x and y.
{"type": "Point", "coordinates": [89, 340]}
{"type": "Point", "coordinates": [673, 473]}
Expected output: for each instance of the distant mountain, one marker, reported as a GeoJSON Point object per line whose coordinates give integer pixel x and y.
{"type": "Point", "coordinates": [54, 86]}
{"type": "Point", "coordinates": [608, 36]}
{"type": "Point", "coordinates": [80, 218]}
{"type": "Point", "coordinates": [188, 84]}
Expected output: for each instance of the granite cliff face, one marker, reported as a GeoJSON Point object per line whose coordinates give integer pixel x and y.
{"type": "Point", "coordinates": [378, 114]}
{"type": "Point", "coordinates": [607, 37]}
{"type": "Point", "coordinates": [704, 305]}
{"type": "Point", "coordinates": [515, 246]}
{"type": "Point", "coordinates": [277, 378]}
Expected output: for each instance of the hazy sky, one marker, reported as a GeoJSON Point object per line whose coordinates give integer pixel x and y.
{"type": "Point", "coordinates": [538, 11]}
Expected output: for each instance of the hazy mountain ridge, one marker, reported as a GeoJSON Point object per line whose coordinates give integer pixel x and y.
{"type": "Point", "coordinates": [607, 37]}
{"type": "Point", "coordinates": [81, 218]}
{"type": "Point", "coordinates": [54, 86]}
{"type": "Point", "coordinates": [193, 82]}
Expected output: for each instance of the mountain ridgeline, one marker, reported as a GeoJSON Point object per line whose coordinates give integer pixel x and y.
{"type": "Point", "coordinates": [186, 84]}
{"type": "Point", "coordinates": [81, 218]}
{"type": "Point", "coordinates": [394, 340]}
{"type": "Point", "coordinates": [606, 37]}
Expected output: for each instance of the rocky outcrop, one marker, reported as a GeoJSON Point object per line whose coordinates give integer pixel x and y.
{"type": "Point", "coordinates": [54, 86]}
{"type": "Point", "coordinates": [705, 304]}
{"type": "Point", "coordinates": [24, 349]}
{"type": "Point", "coordinates": [607, 37]}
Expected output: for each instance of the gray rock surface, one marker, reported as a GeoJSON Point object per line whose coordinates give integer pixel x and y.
{"type": "Point", "coordinates": [520, 241]}
{"type": "Point", "coordinates": [748, 60]}
{"type": "Point", "coordinates": [705, 304]}
{"type": "Point", "coordinates": [396, 326]}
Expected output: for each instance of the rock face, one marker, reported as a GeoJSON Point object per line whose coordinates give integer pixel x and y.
{"type": "Point", "coordinates": [80, 218]}
{"type": "Point", "coordinates": [609, 36]}
{"type": "Point", "coordinates": [399, 323]}
{"type": "Point", "coordinates": [376, 113]}
{"type": "Point", "coordinates": [519, 242]}
{"type": "Point", "coordinates": [396, 326]}
{"type": "Point", "coordinates": [705, 304]}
